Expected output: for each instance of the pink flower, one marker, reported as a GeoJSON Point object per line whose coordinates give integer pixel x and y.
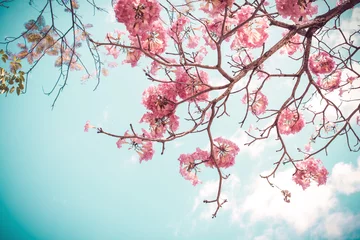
{"type": "Point", "coordinates": [132, 57]}
{"type": "Point", "coordinates": [155, 66]}
{"type": "Point", "coordinates": [257, 106]}
{"type": "Point", "coordinates": [308, 147]}
{"type": "Point", "coordinates": [290, 121]}
{"type": "Point", "coordinates": [252, 35]}
{"type": "Point", "coordinates": [225, 152]}
{"type": "Point", "coordinates": [351, 79]}
{"type": "Point", "coordinates": [215, 7]}
{"type": "Point", "coordinates": [188, 168]}
{"type": "Point", "coordinates": [330, 82]}
{"type": "Point", "coordinates": [292, 46]}
{"type": "Point", "coordinates": [297, 10]}
{"type": "Point", "coordinates": [214, 27]}
{"type": "Point", "coordinates": [321, 63]}
{"type": "Point", "coordinates": [154, 40]}
{"type": "Point", "coordinates": [112, 50]}
{"type": "Point", "coordinates": [177, 28]}
{"type": "Point", "coordinates": [310, 169]}
{"type": "Point", "coordinates": [143, 148]}
{"type": "Point", "coordinates": [159, 125]}
{"type": "Point", "coordinates": [189, 84]}
{"type": "Point", "coordinates": [200, 54]}
{"type": "Point", "coordinates": [193, 41]}
{"type": "Point", "coordinates": [120, 142]}
{"type": "Point", "coordinates": [87, 126]}
{"type": "Point", "coordinates": [160, 99]}
{"type": "Point", "coordinates": [138, 16]}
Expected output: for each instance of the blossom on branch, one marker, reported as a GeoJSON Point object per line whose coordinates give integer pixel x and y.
{"type": "Point", "coordinates": [159, 125]}
{"type": "Point", "coordinates": [330, 82]}
{"type": "Point", "coordinates": [310, 169]}
{"type": "Point", "coordinates": [160, 99]}
{"type": "Point", "coordinates": [87, 126]}
{"type": "Point", "coordinates": [215, 7]}
{"type": "Point", "coordinates": [297, 10]}
{"type": "Point", "coordinates": [225, 152]}
{"type": "Point", "coordinates": [321, 63]}
{"type": "Point", "coordinates": [290, 121]}
{"type": "Point", "coordinates": [138, 16]}
{"type": "Point", "coordinates": [188, 165]}
{"type": "Point", "coordinates": [189, 84]}
{"type": "Point", "coordinates": [143, 148]}
{"type": "Point", "coordinates": [292, 46]}
{"type": "Point", "coordinates": [257, 106]}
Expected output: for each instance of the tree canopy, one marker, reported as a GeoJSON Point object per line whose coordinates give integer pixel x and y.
{"type": "Point", "coordinates": [210, 62]}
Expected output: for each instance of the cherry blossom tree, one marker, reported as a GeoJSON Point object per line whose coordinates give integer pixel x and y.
{"type": "Point", "coordinates": [183, 44]}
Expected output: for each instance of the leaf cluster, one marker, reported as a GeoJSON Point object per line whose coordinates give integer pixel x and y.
{"type": "Point", "coordinates": [13, 80]}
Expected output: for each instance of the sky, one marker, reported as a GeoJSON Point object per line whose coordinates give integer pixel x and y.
{"type": "Point", "coordinates": [58, 182]}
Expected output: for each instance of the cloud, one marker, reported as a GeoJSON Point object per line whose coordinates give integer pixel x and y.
{"type": "Point", "coordinates": [337, 224]}
{"type": "Point", "coordinates": [314, 208]}
{"type": "Point", "coordinates": [346, 178]}
{"type": "Point", "coordinates": [305, 208]}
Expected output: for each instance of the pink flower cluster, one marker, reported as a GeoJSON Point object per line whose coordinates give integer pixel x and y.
{"type": "Point", "coordinates": [257, 106]}
{"type": "Point", "coordinates": [225, 152]}
{"type": "Point", "coordinates": [143, 148]}
{"type": "Point", "coordinates": [330, 82]}
{"type": "Point", "coordinates": [214, 27]}
{"type": "Point", "coordinates": [215, 7]}
{"type": "Point", "coordinates": [159, 125]}
{"type": "Point", "coordinates": [161, 101]}
{"type": "Point", "coordinates": [290, 121]}
{"type": "Point", "coordinates": [321, 63]}
{"type": "Point", "coordinates": [292, 46]}
{"type": "Point", "coordinates": [87, 126]}
{"type": "Point", "coordinates": [113, 38]}
{"type": "Point", "coordinates": [188, 84]}
{"type": "Point", "coordinates": [253, 34]}
{"type": "Point", "coordinates": [297, 10]}
{"type": "Point", "coordinates": [310, 169]}
{"type": "Point", "coordinates": [187, 164]}
{"type": "Point", "coordinates": [177, 28]}
{"type": "Point", "coordinates": [138, 16]}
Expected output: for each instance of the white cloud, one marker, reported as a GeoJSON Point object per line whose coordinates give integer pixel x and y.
{"type": "Point", "coordinates": [305, 208]}
{"type": "Point", "coordinates": [346, 178]}
{"type": "Point", "coordinates": [278, 233]}
{"type": "Point", "coordinates": [338, 223]}
{"type": "Point", "coordinates": [310, 209]}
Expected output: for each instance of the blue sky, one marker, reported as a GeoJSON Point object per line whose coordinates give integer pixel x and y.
{"type": "Point", "coordinates": [57, 182]}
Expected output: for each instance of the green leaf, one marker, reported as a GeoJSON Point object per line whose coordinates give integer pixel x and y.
{"type": "Point", "coordinates": [12, 89]}
{"type": "Point", "coordinates": [1, 51]}
{"type": "Point", "coordinates": [4, 59]}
